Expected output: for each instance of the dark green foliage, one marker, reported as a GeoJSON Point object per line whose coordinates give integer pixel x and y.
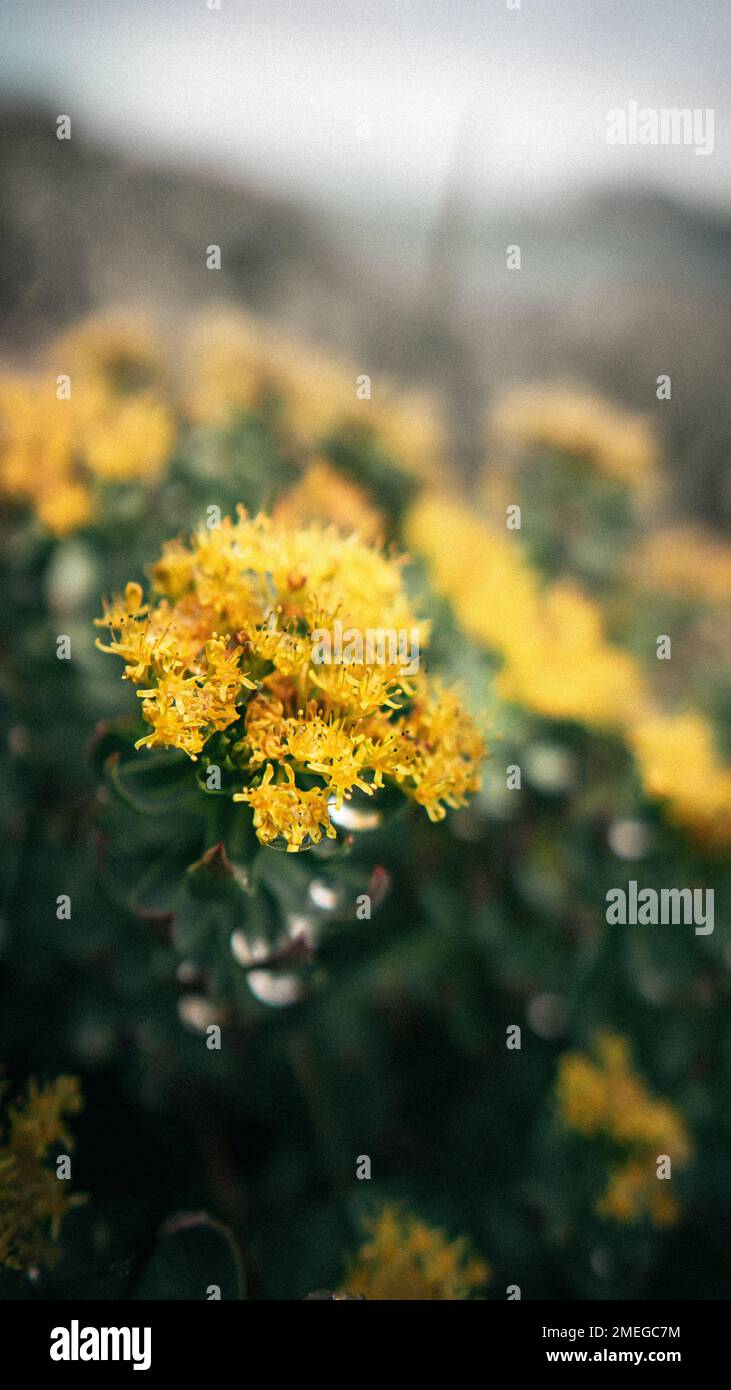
{"type": "Point", "coordinates": [395, 1045]}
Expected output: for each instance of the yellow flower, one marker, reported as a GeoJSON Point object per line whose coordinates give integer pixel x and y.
{"type": "Point", "coordinates": [324, 494]}
{"type": "Point", "coordinates": [679, 765]}
{"type": "Point", "coordinates": [406, 426]}
{"type": "Point", "coordinates": [599, 1096]}
{"type": "Point", "coordinates": [245, 608]}
{"type": "Point", "coordinates": [240, 364]}
{"type": "Point", "coordinates": [66, 509]}
{"type": "Point", "coordinates": [116, 353]}
{"type": "Point", "coordinates": [185, 710]}
{"type": "Point", "coordinates": [38, 460]}
{"type": "Point", "coordinates": [633, 1190]}
{"type": "Point", "coordinates": [33, 1203]}
{"type": "Point", "coordinates": [581, 1094]}
{"type": "Point", "coordinates": [438, 753]}
{"type": "Point", "coordinates": [563, 667]}
{"type": "Point", "coordinates": [229, 369]}
{"type": "Point", "coordinates": [485, 574]}
{"type": "Point", "coordinates": [332, 749]}
{"type": "Point", "coordinates": [685, 562]}
{"type": "Point", "coordinates": [124, 430]}
{"type": "Point", "coordinates": [617, 442]}
{"type": "Point", "coordinates": [402, 1258]}
{"type": "Point", "coordinates": [557, 660]}
{"type": "Point", "coordinates": [360, 688]}
{"type": "Point", "coordinates": [114, 427]}
{"type": "Point", "coordinates": [126, 438]}
{"type": "Point", "coordinates": [282, 811]}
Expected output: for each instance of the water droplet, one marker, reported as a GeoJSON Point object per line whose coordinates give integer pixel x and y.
{"type": "Point", "coordinates": [198, 1013]}
{"type": "Point", "coordinates": [247, 950]}
{"type": "Point", "coordinates": [354, 816]}
{"type": "Point", "coordinates": [303, 928]}
{"type": "Point", "coordinates": [271, 987]}
{"type": "Point", "coordinates": [72, 576]}
{"type": "Point", "coordinates": [327, 897]}
{"type": "Point", "coordinates": [630, 839]}
{"type": "Point", "coordinates": [188, 973]}
{"type": "Point", "coordinates": [549, 768]}
{"type": "Point", "coordinates": [282, 845]}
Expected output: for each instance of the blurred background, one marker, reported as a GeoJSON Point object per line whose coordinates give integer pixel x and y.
{"type": "Point", "coordinates": [365, 171]}
{"type": "Point", "coordinates": [368, 173]}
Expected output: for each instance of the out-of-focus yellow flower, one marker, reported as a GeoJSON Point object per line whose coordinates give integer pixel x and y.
{"type": "Point", "coordinates": [111, 428]}
{"type": "Point", "coordinates": [66, 509]}
{"type": "Point", "coordinates": [634, 1190]}
{"type": "Point", "coordinates": [239, 363]}
{"type": "Point", "coordinates": [316, 392]}
{"type": "Point", "coordinates": [116, 353]}
{"type": "Point", "coordinates": [124, 430]}
{"type": "Point", "coordinates": [403, 1259]}
{"type": "Point", "coordinates": [557, 662]}
{"type": "Point", "coordinates": [33, 1203]}
{"type": "Point", "coordinates": [556, 658]}
{"type": "Point", "coordinates": [405, 425]}
{"type": "Point", "coordinates": [38, 463]}
{"type": "Point", "coordinates": [680, 766]}
{"type": "Point", "coordinates": [323, 494]}
{"type": "Point", "coordinates": [599, 1096]}
{"type": "Point", "coordinates": [486, 575]}
{"type": "Point", "coordinates": [564, 668]}
{"type": "Point", "coordinates": [258, 606]}
{"type": "Point", "coordinates": [126, 438]}
{"type": "Point", "coordinates": [581, 1094]}
{"type": "Point", "coordinates": [228, 356]}
{"type": "Point", "coordinates": [685, 562]}
{"type": "Point", "coordinates": [619, 443]}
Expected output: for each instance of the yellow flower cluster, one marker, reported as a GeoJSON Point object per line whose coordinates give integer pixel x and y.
{"type": "Point", "coordinates": [684, 562]}
{"type": "Point", "coordinates": [112, 428]}
{"type": "Point", "coordinates": [557, 661]}
{"type": "Point", "coordinates": [37, 461]}
{"type": "Point", "coordinates": [118, 423]}
{"type": "Point", "coordinates": [33, 1202]}
{"type": "Point", "coordinates": [239, 363]}
{"type": "Point", "coordinates": [403, 1259]}
{"type": "Point", "coordinates": [616, 442]}
{"type": "Point", "coordinates": [679, 765]}
{"type": "Point", "coordinates": [564, 668]}
{"type": "Point", "coordinates": [233, 641]}
{"type": "Point", "coordinates": [323, 494]}
{"type": "Point", "coordinates": [599, 1096]}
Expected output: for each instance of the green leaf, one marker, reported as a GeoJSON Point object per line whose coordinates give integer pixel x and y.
{"type": "Point", "coordinates": [113, 738]}
{"type": "Point", "coordinates": [153, 784]}
{"type": "Point", "coordinates": [195, 1257]}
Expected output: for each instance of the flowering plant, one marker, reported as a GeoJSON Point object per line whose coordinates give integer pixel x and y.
{"type": "Point", "coordinates": [228, 664]}
{"type": "Point", "coordinates": [255, 738]}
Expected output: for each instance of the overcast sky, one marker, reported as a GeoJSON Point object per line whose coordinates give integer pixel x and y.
{"type": "Point", "coordinates": [365, 103]}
